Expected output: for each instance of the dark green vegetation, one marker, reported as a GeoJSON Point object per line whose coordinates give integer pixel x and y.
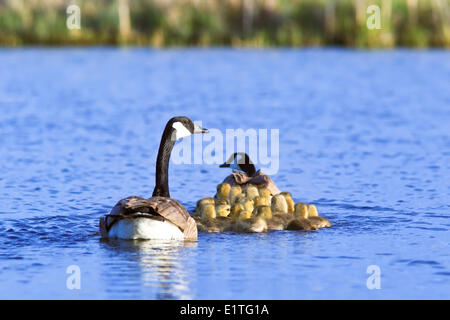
{"type": "Point", "coordinates": [412, 23]}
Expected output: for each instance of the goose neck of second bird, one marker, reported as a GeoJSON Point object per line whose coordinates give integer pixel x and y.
{"type": "Point", "coordinates": [162, 163]}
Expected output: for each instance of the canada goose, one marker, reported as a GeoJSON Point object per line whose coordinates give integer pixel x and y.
{"type": "Point", "coordinates": [244, 173]}
{"type": "Point", "coordinates": [247, 223]}
{"type": "Point", "coordinates": [159, 217]}
{"type": "Point", "coordinates": [289, 201]}
{"type": "Point", "coordinates": [313, 216]}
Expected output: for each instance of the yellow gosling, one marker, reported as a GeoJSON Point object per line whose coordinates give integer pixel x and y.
{"type": "Point", "coordinates": [289, 201]}
{"type": "Point", "coordinates": [264, 192]}
{"type": "Point", "coordinates": [316, 220]}
{"type": "Point", "coordinates": [301, 210]}
{"type": "Point", "coordinates": [235, 210]}
{"type": "Point", "coordinates": [312, 211]}
{"type": "Point", "coordinates": [252, 192]}
{"type": "Point", "coordinates": [301, 224]}
{"type": "Point", "coordinates": [202, 202]}
{"type": "Point", "coordinates": [206, 225]}
{"type": "Point", "coordinates": [239, 198]}
{"type": "Point", "coordinates": [263, 211]}
{"type": "Point", "coordinates": [304, 211]}
{"type": "Point", "coordinates": [224, 223]}
{"type": "Point", "coordinates": [223, 191]}
{"type": "Point", "coordinates": [235, 191]}
{"type": "Point", "coordinates": [279, 204]}
{"type": "Point", "coordinates": [223, 210]}
{"type": "Point", "coordinates": [250, 225]}
{"type": "Point", "coordinates": [245, 214]}
{"type": "Point", "coordinates": [282, 218]}
{"type": "Point", "coordinates": [248, 204]}
{"type": "Point", "coordinates": [219, 202]}
{"type": "Point", "coordinates": [261, 201]}
{"type": "Point", "coordinates": [208, 211]}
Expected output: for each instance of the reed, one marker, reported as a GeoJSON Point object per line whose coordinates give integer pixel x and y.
{"type": "Point", "coordinates": [410, 23]}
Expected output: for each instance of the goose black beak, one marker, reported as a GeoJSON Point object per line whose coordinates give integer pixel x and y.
{"type": "Point", "coordinates": [224, 165]}
{"type": "Point", "coordinates": [198, 129]}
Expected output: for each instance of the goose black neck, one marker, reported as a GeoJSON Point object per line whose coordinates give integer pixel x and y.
{"type": "Point", "coordinates": [162, 164]}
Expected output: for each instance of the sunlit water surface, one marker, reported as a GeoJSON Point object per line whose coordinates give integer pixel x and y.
{"type": "Point", "coordinates": [363, 135]}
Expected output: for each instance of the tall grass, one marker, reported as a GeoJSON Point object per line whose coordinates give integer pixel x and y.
{"type": "Point", "coordinates": [412, 23]}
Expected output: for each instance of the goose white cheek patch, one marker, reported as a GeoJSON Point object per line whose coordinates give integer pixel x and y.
{"type": "Point", "coordinates": [180, 131]}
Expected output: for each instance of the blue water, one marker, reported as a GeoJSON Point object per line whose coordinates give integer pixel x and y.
{"type": "Point", "coordinates": [363, 135]}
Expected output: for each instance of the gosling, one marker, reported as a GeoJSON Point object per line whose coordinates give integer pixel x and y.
{"type": "Point", "coordinates": [313, 216]}
{"type": "Point", "coordinates": [301, 221]}
{"type": "Point", "coordinates": [248, 224]}
{"type": "Point", "coordinates": [223, 191]}
{"type": "Point", "coordinates": [266, 213]}
{"type": "Point", "coordinates": [252, 192]}
{"type": "Point", "coordinates": [289, 201]}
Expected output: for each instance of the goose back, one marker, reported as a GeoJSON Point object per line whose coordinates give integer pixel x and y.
{"type": "Point", "coordinates": [154, 208]}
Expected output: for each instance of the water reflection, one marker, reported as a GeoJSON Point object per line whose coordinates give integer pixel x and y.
{"type": "Point", "coordinates": [163, 269]}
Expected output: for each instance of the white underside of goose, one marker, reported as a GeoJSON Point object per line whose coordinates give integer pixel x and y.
{"type": "Point", "coordinates": [145, 228]}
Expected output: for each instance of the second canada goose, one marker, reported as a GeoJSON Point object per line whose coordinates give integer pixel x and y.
{"type": "Point", "coordinates": [159, 217]}
{"type": "Point", "coordinates": [245, 173]}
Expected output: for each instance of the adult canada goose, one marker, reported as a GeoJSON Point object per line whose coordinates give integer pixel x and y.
{"type": "Point", "coordinates": [245, 173]}
{"type": "Point", "coordinates": [159, 217]}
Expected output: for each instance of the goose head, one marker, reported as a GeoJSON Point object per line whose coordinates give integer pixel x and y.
{"type": "Point", "coordinates": [240, 161]}
{"type": "Point", "coordinates": [182, 127]}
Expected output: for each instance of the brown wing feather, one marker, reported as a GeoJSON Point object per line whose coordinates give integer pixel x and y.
{"type": "Point", "coordinates": [167, 208]}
